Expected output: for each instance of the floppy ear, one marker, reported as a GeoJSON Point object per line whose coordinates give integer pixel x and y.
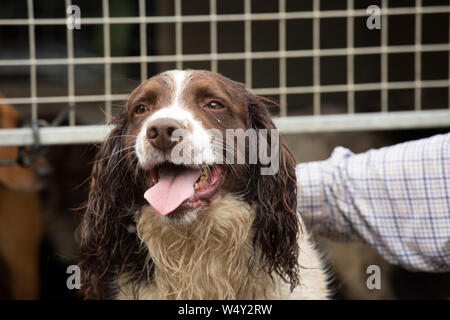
{"type": "Point", "coordinates": [107, 245]}
{"type": "Point", "coordinates": [277, 223]}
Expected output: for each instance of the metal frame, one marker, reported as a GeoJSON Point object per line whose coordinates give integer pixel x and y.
{"type": "Point", "coordinates": [315, 123]}
{"type": "Point", "coordinates": [287, 125]}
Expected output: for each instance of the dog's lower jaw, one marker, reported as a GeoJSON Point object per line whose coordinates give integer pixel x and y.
{"type": "Point", "coordinates": [190, 217]}
{"type": "Point", "coordinates": [213, 258]}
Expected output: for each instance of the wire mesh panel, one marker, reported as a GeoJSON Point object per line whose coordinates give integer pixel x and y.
{"type": "Point", "coordinates": [332, 65]}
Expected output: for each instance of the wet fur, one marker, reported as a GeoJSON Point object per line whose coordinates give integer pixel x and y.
{"type": "Point", "coordinates": [114, 258]}
{"type": "Point", "coordinates": [213, 258]}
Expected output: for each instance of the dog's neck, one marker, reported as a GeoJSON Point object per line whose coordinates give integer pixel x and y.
{"type": "Point", "coordinates": [210, 258]}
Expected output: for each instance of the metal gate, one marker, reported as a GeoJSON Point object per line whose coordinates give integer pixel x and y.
{"type": "Point", "coordinates": [354, 14]}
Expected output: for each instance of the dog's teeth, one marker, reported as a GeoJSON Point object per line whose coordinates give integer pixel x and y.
{"type": "Point", "coordinates": [204, 175]}
{"type": "Point", "coordinates": [196, 186]}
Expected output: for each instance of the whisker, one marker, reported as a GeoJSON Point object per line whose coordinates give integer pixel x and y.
{"type": "Point", "coordinates": [224, 146]}
{"type": "Point", "coordinates": [120, 136]}
{"type": "Point", "coordinates": [231, 166]}
{"type": "Point", "coordinates": [118, 162]}
{"type": "Point", "coordinates": [112, 154]}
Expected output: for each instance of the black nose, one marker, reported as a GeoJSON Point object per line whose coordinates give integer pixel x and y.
{"type": "Point", "coordinates": [160, 133]}
{"type": "Point", "coordinates": [43, 171]}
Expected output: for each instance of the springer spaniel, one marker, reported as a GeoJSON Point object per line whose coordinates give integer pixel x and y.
{"type": "Point", "coordinates": [171, 215]}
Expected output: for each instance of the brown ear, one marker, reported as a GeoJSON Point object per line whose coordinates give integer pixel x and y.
{"type": "Point", "coordinates": [107, 246]}
{"type": "Point", "coordinates": [277, 223]}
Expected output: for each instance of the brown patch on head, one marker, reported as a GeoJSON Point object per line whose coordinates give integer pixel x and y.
{"type": "Point", "coordinates": [153, 94]}
{"type": "Point", "coordinates": [205, 87]}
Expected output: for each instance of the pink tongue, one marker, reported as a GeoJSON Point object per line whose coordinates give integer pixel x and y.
{"type": "Point", "coordinates": [174, 186]}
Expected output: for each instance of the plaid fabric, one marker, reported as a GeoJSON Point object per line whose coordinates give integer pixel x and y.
{"type": "Point", "coordinates": [397, 199]}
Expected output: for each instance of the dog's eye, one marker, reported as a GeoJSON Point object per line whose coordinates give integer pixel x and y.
{"type": "Point", "coordinates": [213, 105]}
{"type": "Point", "coordinates": [141, 109]}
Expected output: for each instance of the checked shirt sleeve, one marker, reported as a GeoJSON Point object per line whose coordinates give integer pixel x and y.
{"type": "Point", "coordinates": [396, 199]}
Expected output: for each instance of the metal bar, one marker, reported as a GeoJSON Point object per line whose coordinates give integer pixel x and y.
{"type": "Point", "coordinates": [393, 120]}
{"type": "Point", "coordinates": [232, 17]}
{"type": "Point", "coordinates": [350, 58]}
{"type": "Point", "coordinates": [261, 91]}
{"type": "Point", "coordinates": [213, 34]}
{"type": "Point", "coordinates": [418, 59]}
{"type": "Point", "coordinates": [107, 54]}
{"type": "Point", "coordinates": [32, 51]}
{"type": "Point", "coordinates": [143, 41]}
{"type": "Point", "coordinates": [282, 60]}
{"type": "Point", "coordinates": [356, 87]}
{"type": "Point", "coordinates": [70, 73]}
{"type": "Point", "coordinates": [178, 35]}
{"type": "Point", "coordinates": [233, 56]}
{"type": "Point", "coordinates": [287, 125]}
{"type": "Point", "coordinates": [316, 57]}
{"type": "Point", "coordinates": [248, 43]}
{"type": "Point", "coordinates": [384, 58]}
{"type": "Point", "coordinates": [64, 99]}
{"type": "Point", "coordinates": [54, 135]}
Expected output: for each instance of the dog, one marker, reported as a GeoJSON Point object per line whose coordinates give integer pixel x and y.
{"type": "Point", "coordinates": [20, 218]}
{"type": "Point", "coordinates": [191, 224]}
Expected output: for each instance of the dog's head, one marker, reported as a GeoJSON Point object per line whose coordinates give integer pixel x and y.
{"type": "Point", "coordinates": [184, 140]}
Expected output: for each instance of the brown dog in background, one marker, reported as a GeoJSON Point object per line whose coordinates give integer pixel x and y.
{"type": "Point", "coordinates": [20, 219]}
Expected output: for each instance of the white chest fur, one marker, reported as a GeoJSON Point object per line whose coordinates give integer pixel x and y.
{"type": "Point", "coordinates": [210, 258]}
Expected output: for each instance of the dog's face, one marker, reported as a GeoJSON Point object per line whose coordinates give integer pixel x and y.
{"type": "Point", "coordinates": [177, 125]}
{"type": "Point", "coordinates": [176, 147]}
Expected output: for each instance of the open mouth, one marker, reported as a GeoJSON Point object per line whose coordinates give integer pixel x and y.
{"type": "Point", "coordinates": [177, 189]}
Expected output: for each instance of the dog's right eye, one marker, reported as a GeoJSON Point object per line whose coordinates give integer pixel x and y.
{"type": "Point", "coordinates": [141, 109]}
{"type": "Point", "coordinates": [213, 105]}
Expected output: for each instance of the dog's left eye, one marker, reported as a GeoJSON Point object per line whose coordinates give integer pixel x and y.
{"type": "Point", "coordinates": [213, 105]}
{"type": "Point", "coordinates": [141, 109]}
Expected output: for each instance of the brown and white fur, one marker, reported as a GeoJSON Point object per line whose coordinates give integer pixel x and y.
{"type": "Point", "coordinates": [244, 240]}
